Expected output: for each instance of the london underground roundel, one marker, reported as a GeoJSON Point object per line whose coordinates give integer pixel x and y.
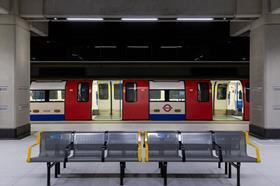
{"type": "Point", "coordinates": [167, 108]}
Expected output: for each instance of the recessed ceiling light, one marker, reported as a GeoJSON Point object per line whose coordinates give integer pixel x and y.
{"type": "Point", "coordinates": [195, 19]}
{"type": "Point", "coordinates": [139, 19]}
{"type": "Point", "coordinates": [83, 19]}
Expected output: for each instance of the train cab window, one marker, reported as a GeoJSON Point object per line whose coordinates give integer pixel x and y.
{"type": "Point", "coordinates": [103, 90]}
{"type": "Point", "coordinates": [117, 91]}
{"type": "Point", "coordinates": [83, 92]}
{"type": "Point", "coordinates": [38, 95]}
{"type": "Point", "coordinates": [157, 95]}
{"type": "Point", "coordinates": [176, 95]}
{"type": "Point", "coordinates": [131, 92]}
{"type": "Point", "coordinates": [203, 92]}
{"type": "Point", "coordinates": [56, 95]}
{"type": "Point", "coordinates": [248, 92]}
{"type": "Point", "coordinates": [222, 91]}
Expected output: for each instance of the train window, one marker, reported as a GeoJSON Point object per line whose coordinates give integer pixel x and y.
{"type": "Point", "coordinates": [248, 92]}
{"type": "Point", "coordinates": [117, 91]}
{"type": "Point", "coordinates": [222, 91]}
{"type": "Point", "coordinates": [103, 91]}
{"type": "Point", "coordinates": [38, 95]}
{"type": "Point", "coordinates": [56, 95]}
{"type": "Point", "coordinates": [176, 95]}
{"type": "Point", "coordinates": [131, 92]}
{"type": "Point", "coordinates": [157, 95]}
{"type": "Point", "coordinates": [203, 92]}
{"type": "Point", "coordinates": [240, 95]}
{"type": "Point", "coordinates": [63, 95]}
{"type": "Point", "coordinates": [83, 92]}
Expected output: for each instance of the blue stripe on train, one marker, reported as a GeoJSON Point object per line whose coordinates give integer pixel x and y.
{"type": "Point", "coordinates": [46, 117]}
{"type": "Point", "coordinates": [167, 116]}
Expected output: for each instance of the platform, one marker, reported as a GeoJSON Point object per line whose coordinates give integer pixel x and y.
{"type": "Point", "coordinates": [16, 172]}
{"type": "Point", "coordinates": [139, 125]}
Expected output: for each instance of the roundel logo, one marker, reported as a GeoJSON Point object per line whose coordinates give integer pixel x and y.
{"type": "Point", "coordinates": [167, 108]}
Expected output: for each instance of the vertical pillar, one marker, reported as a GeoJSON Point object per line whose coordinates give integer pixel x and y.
{"type": "Point", "coordinates": [14, 77]}
{"type": "Point", "coordinates": [265, 77]}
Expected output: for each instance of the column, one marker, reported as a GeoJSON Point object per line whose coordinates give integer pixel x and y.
{"type": "Point", "coordinates": [265, 77]}
{"type": "Point", "coordinates": [14, 77]}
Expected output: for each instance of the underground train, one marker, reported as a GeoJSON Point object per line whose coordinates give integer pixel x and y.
{"type": "Point", "coordinates": [139, 100]}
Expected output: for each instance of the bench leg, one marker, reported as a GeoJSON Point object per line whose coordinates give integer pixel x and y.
{"type": "Point", "coordinates": [238, 173]}
{"type": "Point", "coordinates": [49, 173]}
{"type": "Point", "coordinates": [226, 168]}
{"type": "Point", "coordinates": [55, 170]}
{"type": "Point", "coordinates": [122, 172]}
{"type": "Point", "coordinates": [165, 173]}
{"type": "Point", "coordinates": [58, 168]}
{"type": "Point", "coordinates": [229, 170]}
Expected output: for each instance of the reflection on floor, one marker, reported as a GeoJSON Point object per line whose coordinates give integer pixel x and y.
{"type": "Point", "coordinates": [227, 117]}
{"type": "Point", "coordinates": [16, 172]}
{"type": "Point", "coordinates": [106, 118]}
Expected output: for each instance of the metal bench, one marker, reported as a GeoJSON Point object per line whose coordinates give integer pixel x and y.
{"type": "Point", "coordinates": [200, 147]}
{"type": "Point", "coordinates": [234, 150]}
{"type": "Point", "coordinates": [87, 147]}
{"type": "Point", "coordinates": [51, 150]}
{"type": "Point", "coordinates": [124, 147]}
{"type": "Point", "coordinates": [163, 147]}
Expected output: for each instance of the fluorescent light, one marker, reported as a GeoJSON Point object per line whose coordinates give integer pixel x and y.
{"type": "Point", "coordinates": [165, 47]}
{"type": "Point", "coordinates": [143, 46]}
{"type": "Point", "coordinates": [84, 19]}
{"type": "Point", "coordinates": [106, 46]}
{"type": "Point", "coordinates": [195, 19]}
{"type": "Point", "coordinates": [139, 19]}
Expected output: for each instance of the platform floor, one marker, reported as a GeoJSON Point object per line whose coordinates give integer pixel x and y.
{"type": "Point", "coordinates": [139, 125]}
{"type": "Point", "coordinates": [14, 171]}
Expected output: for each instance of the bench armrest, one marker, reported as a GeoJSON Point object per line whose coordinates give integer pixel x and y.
{"type": "Point", "coordinates": [67, 150]}
{"type": "Point", "coordinates": [218, 149]}
{"type": "Point", "coordinates": [146, 146]}
{"type": "Point", "coordinates": [139, 150]}
{"type": "Point", "coordinates": [258, 156]}
{"type": "Point", "coordinates": [29, 151]}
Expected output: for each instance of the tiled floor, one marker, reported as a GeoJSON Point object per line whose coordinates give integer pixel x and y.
{"type": "Point", "coordinates": [14, 171]}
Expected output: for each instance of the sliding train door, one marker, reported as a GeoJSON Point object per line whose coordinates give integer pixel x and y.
{"type": "Point", "coordinates": [78, 100]}
{"type": "Point", "coordinates": [198, 100]}
{"type": "Point", "coordinates": [246, 100]}
{"type": "Point", "coordinates": [135, 100]}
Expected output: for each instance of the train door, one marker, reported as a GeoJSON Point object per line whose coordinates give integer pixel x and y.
{"type": "Point", "coordinates": [107, 100]}
{"type": "Point", "coordinates": [78, 100]}
{"type": "Point", "coordinates": [135, 100]}
{"type": "Point", "coordinates": [246, 100]}
{"type": "Point", "coordinates": [219, 89]}
{"type": "Point", "coordinates": [198, 100]}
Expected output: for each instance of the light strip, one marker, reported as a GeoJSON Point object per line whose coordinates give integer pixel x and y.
{"type": "Point", "coordinates": [83, 19]}
{"type": "Point", "coordinates": [195, 19]}
{"type": "Point", "coordinates": [139, 19]}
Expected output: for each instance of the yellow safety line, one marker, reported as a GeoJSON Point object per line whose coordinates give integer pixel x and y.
{"type": "Point", "coordinates": [29, 151]}
{"type": "Point", "coordinates": [254, 146]}
{"type": "Point", "coordinates": [140, 146]}
{"type": "Point", "coordinates": [146, 147]}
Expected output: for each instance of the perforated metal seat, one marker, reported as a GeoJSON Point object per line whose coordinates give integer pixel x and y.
{"type": "Point", "coordinates": [52, 146]}
{"type": "Point", "coordinates": [234, 147]}
{"type": "Point", "coordinates": [198, 147]}
{"type": "Point", "coordinates": [123, 146]}
{"type": "Point", "coordinates": [163, 147]}
{"type": "Point", "coordinates": [88, 147]}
